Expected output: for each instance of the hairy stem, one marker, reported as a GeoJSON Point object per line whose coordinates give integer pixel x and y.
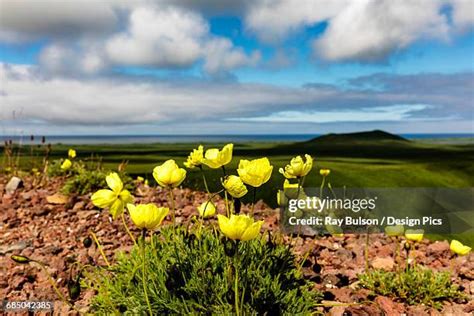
{"type": "Point", "coordinates": [128, 230]}
{"type": "Point", "coordinates": [144, 274]}
{"type": "Point", "coordinates": [99, 246]}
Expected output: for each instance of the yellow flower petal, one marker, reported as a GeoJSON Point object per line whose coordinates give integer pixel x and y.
{"type": "Point", "coordinates": [71, 153]}
{"type": "Point", "coordinates": [116, 208]}
{"type": "Point", "coordinates": [235, 186]}
{"type": "Point", "coordinates": [66, 165]}
{"type": "Point", "coordinates": [169, 174]}
{"type": "Point", "coordinates": [252, 231]}
{"type": "Point", "coordinates": [126, 196]}
{"type": "Point", "coordinates": [239, 227]}
{"type": "Point", "coordinates": [147, 216]}
{"type": "Point", "coordinates": [396, 230]}
{"type": "Point", "coordinates": [458, 248]}
{"type": "Point", "coordinates": [414, 234]}
{"type": "Point", "coordinates": [114, 182]}
{"type": "Point", "coordinates": [255, 172]}
{"type": "Point", "coordinates": [207, 209]}
{"type": "Point", "coordinates": [103, 198]}
{"type": "Point", "coordinates": [215, 158]}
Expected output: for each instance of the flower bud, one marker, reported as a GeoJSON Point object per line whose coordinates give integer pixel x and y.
{"type": "Point", "coordinates": [87, 242]}
{"type": "Point", "coordinates": [20, 259]}
{"type": "Point", "coordinates": [234, 186]}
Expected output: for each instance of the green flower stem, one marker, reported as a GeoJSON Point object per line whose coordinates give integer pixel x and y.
{"type": "Point", "coordinates": [236, 281]}
{"type": "Point", "coordinates": [99, 246]}
{"type": "Point", "coordinates": [223, 170]}
{"type": "Point", "coordinates": [397, 253]}
{"type": "Point", "coordinates": [144, 273]}
{"type": "Point", "coordinates": [237, 292]}
{"type": "Point", "coordinates": [321, 188]}
{"type": "Point", "coordinates": [128, 230]}
{"type": "Point", "coordinates": [366, 252]}
{"type": "Point", "coordinates": [171, 197]}
{"type": "Point", "coordinates": [253, 199]}
{"type": "Point", "coordinates": [226, 204]}
{"type": "Point", "coordinates": [53, 283]}
{"type": "Point", "coordinates": [204, 180]}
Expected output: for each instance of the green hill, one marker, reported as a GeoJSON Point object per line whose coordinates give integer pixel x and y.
{"type": "Point", "coordinates": [376, 135]}
{"type": "Point", "coordinates": [376, 144]}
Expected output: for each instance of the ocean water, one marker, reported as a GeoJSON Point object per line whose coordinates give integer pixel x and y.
{"type": "Point", "coordinates": [170, 139]}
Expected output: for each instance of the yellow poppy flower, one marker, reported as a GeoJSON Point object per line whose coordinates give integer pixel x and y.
{"type": "Point", "coordinates": [458, 248]}
{"type": "Point", "coordinates": [207, 209]}
{"type": "Point", "coordinates": [115, 198]}
{"type": "Point", "coordinates": [324, 172]}
{"type": "Point", "coordinates": [255, 172]}
{"type": "Point", "coordinates": [66, 165]}
{"type": "Point", "coordinates": [297, 168]}
{"type": "Point", "coordinates": [414, 234]}
{"type": "Point", "coordinates": [147, 216]}
{"type": "Point", "coordinates": [235, 186]}
{"type": "Point", "coordinates": [71, 153]}
{"type": "Point", "coordinates": [169, 174]}
{"type": "Point", "coordinates": [393, 231]}
{"type": "Point", "coordinates": [239, 227]}
{"type": "Point", "coordinates": [195, 158]}
{"type": "Point", "coordinates": [215, 158]}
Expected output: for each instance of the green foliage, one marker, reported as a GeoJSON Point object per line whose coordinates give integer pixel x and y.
{"type": "Point", "coordinates": [84, 182]}
{"type": "Point", "coordinates": [186, 274]}
{"type": "Point", "coordinates": [83, 178]}
{"type": "Point", "coordinates": [415, 285]}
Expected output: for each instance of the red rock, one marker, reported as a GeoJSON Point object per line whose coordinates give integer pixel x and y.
{"type": "Point", "coordinates": [383, 263]}
{"type": "Point", "coordinates": [388, 306]}
{"type": "Point", "coordinates": [438, 248]}
{"type": "Point", "coordinates": [337, 311]}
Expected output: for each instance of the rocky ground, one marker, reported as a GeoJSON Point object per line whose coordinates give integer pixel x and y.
{"type": "Point", "coordinates": [40, 223]}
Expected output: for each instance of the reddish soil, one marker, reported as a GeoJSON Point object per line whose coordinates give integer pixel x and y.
{"type": "Point", "coordinates": [54, 234]}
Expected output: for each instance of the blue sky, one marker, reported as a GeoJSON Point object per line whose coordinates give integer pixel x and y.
{"type": "Point", "coordinates": [229, 67]}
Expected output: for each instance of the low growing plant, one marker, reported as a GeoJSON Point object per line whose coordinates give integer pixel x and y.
{"type": "Point", "coordinates": [414, 285]}
{"type": "Point", "coordinates": [190, 273]}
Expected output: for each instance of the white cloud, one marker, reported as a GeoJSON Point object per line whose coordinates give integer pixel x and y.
{"type": "Point", "coordinates": [167, 37]}
{"type": "Point", "coordinates": [370, 30]}
{"type": "Point", "coordinates": [463, 13]}
{"type": "Point", "coordinates": [221, 55]}
{"type": "Point", "coordinates": [273, 20]}
{"type": "Point", "coordinates": [363, 30]}
{"type": "Point", "coordinates": [61, 58]}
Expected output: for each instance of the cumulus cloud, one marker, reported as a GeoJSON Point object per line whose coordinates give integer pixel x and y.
{"type": "Point", "coordinates": [221, 55]}
{"type": "Point", "coordinates": [166, 33]}
{"type": "Point", "coordinates": [463, 14]}
{"type": "Point", "coordinates": [167, 37]}
{"type": "Point", "coordinates": [361, 30]}
{"type": "Point", "coordinates": [61, 58]}
{"type": "Point", "coordinates": [369, 30]}
{"type": "Point", "coordinates": [273, 21]}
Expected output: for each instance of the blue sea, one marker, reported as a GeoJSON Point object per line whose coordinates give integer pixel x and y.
{"type": "Point", "coordinates": [171, 139]}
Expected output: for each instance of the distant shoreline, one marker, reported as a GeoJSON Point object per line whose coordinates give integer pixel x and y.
{"type": "Point", "coordinates": [170, 139]}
